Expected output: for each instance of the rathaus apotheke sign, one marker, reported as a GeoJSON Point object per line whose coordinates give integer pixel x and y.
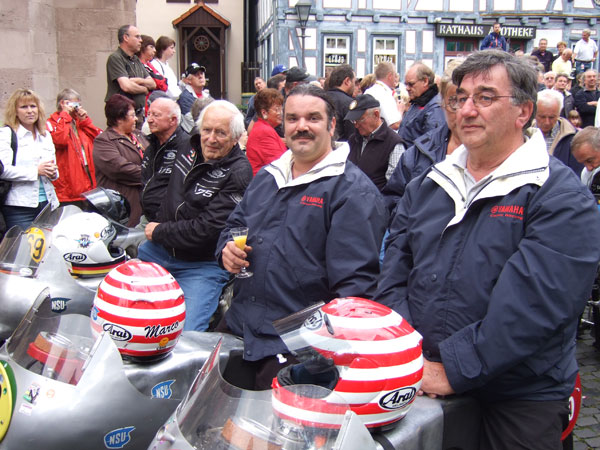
{"type": "Point", "coordinates": [479, 31]}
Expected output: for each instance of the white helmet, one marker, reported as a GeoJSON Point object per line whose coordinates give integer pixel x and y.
{"type": "Point", "coordinates": [84, 240]}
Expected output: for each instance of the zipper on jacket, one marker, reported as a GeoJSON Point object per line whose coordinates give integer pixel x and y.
{"type": "Point", "coordinates": [449, 180]}
{"type": "Point", "coordinates": [523, 172]}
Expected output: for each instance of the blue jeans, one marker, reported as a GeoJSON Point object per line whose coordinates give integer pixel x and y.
{"type": "Point", "coordinates": [201, 282]}
{"type": "Point", "coordinates": [21, 215]}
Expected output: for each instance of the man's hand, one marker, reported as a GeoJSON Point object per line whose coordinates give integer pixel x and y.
{"type": "Point", "coordinates": [234, 258]}
{"type": "Point", "coordinates": [150, 229]}
{"type": "Point", "coordinates": [435, 381]}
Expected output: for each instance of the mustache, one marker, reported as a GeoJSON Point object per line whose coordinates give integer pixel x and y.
{"type": "Point", "coordinates": [303, 135]}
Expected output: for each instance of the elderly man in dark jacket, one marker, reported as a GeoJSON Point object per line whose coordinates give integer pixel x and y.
{"type": "Point", "coordinates": [424, 113]}
{"type": "Point", "coordinates": [558, 132]}
{"type": "Point", "coordinates": [374, 147]}
{"type": "Point", "coordinates": [205, 185]}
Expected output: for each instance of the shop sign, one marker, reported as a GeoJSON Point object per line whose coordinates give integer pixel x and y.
{"type": "Point", "coordinates": [480, 31]}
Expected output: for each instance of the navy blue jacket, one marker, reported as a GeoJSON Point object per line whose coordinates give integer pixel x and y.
{"type": "Point", "coordinates": [496, 285]}
{"type": "Point", "coordinates": [313, 239]}
{"type": "Point", "coordinates": [426, 151]}
{"type": "Point", "coordinates": [495, 41]}
{"type": "Point", "coordinates": [418, 120]}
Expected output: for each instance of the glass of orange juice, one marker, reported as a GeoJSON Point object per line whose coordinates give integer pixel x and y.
{"type": "Point", "coordinates": [240, 235]}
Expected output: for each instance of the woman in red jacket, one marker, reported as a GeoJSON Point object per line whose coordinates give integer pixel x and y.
{"type": "Point", "coordinates": [73, 134]}
{"type": "Point", "coordinates": [264, 144]}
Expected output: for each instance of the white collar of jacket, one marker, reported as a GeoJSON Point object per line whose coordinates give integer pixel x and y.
{"type": "Point", "coordinates": [529, 164]}
{"type": "Point", "coordinates": [332, 165]}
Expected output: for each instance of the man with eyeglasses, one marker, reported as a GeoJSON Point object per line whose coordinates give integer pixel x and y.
{"type": "Point", "coordinates": [491, 257]}
{"type": "Point", "coordinates": [425, 113]}
{"type": "Point", "coordinates": [374, 147]}
{"type": "Point", "coordinates": [125, 73]}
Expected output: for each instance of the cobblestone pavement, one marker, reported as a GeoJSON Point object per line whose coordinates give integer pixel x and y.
{"type": "Point", "coordinates": [587, 429]}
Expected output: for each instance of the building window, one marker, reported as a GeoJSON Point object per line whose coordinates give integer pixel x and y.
{"type": "Point", "coordinates": [385, 49]}
{"type": "Point", "coordinates": [337, 51]}
{"type": "Point", "coordinates": [460, 47]}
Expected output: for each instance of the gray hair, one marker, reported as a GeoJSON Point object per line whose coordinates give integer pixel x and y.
{"type": "Point", "coordinates": [589, 135]}
{"type": "Point", "coordinates": [522, 76]}
{"type": "Point", "coordinates": [66, 94]}
{"type": "Point", "coordinates": [549, 97]}
{"type": "Point", "coordinates": [236, 125]}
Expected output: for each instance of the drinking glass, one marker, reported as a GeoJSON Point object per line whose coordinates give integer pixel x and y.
{"type": "Point", "coordinates": [240, 235]}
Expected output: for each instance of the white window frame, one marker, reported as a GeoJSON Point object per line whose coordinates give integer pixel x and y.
{"type": "Point", "coordinates": [385, 54]}
{"type": "Point", "coordinates": [342, 54]}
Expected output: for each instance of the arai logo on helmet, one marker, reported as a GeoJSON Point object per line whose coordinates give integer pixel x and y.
{"type": "Point", "coordinates": [74, 257]}
{"type": "Point", "coordinates": [118, 438]}
{"type": "Point", "coordinates": [398, 398]}
{"type": "Point", "coordinates": [116, 332]}
{"type": "Point", "coordinates": [315, 321]}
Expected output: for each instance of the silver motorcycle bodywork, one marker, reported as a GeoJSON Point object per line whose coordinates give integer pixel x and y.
{"type": "Point", "coordinates": [218, 415]}
{"type": "Point", "coordinates": [77, 393]}
{"type": "Point", "coordinates": [29, 263]}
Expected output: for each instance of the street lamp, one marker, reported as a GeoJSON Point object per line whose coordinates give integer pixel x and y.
{"type": "Point", "coordinates": [303, 11]}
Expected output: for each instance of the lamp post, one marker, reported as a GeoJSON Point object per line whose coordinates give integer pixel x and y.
{"type": "Point", "coordinates": [303, 11]}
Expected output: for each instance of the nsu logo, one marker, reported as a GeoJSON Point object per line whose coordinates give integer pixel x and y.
{"type": "Point", "coordinates": [118, 438]}
{"type": "Point", "coordinates": [398, 398]}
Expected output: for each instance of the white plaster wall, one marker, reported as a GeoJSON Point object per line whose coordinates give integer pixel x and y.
{"type": "Point", "coordinates": [461, 5]}
{"type": "Point", "coordinates": [411, 41]}
{"type": "Point", "coordinates": [503, 5]}
{"type": "Point", "coordinates": [552, 35]}
{"type": "Point", "coordinates": [387, 4]}
{"type": "Point", "coordinates": [430, 5]}
{"type": "Point", "coordinates": [337, 3]}
{"type": "Point", "coordinates": [427, 41]}
{"type": "Point", "coordinates": [533, 5]}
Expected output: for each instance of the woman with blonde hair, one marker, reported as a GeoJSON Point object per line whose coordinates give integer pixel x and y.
{"type": "Point", "coordinates": [34, 166]}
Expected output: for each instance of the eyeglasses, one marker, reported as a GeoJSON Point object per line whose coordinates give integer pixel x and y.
{"type": "Point", "coordinates": [361, 120]}
{"type": "Point", "coordinates": [411, 84]}
{"type": "Point", "coordinates": [456, 102]}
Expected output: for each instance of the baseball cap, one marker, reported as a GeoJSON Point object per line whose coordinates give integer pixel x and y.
{"type": "Point", "coordinates": [359, 105]}
{"type": "Point", "coordinates": [279, 68]}
{"type": "Point", "coordinates": [193, 69]}
{"type": "Point", "coordinates": [297, 74]}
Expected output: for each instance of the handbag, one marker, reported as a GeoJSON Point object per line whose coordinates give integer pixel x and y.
{"type": "Point", "coordinates": [5, 185]}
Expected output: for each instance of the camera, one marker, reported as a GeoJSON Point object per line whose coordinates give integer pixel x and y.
{"type": "Point", "coordinates": [74, 105]}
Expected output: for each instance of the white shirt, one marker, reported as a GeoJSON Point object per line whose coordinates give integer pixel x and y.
{"type": "Point", "coordinates": [387, 102]}
{"type": "Point", "coordinates": [173, 90]}
{"type": "Point", "coordinates": [585, 51]}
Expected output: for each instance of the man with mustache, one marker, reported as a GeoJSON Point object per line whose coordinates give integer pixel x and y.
{"type": "Point", "coordinates": [491, 257]}
{"type": "Point", "coordinates": [316, 224]}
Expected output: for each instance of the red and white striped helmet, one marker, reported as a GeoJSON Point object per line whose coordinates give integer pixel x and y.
{"type": "Point", "coordinates": [363, 351]}
{"type": "Point", "coordinates": [141, 306]}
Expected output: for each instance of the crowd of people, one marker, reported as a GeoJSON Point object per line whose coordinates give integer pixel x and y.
{"type": "Point", "coordinates": [481, 179]}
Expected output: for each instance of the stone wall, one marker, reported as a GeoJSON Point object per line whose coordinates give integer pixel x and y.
{"type": "Point", "coordinates": [49, 45]}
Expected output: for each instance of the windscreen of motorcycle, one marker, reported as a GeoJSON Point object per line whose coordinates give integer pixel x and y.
{"type": "Point", "coordinates": [21, 252]}
{"type": "Point", "coordinates": [216, 414]}
{"type": "Point", "coordinates": [52, 345]}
